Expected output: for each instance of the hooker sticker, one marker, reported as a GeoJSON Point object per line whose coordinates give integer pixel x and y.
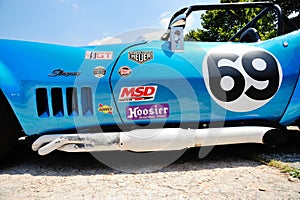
{"type": "Point", "coordinates": [139, 93]}
{"type": "Point", "coordinates": [153, 111]}
{"type": "Point", "coordinates": [140, 56]}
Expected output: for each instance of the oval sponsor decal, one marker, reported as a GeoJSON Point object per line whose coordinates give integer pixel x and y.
{"type": "Point", "coordinates": [241, 78]}
{"type": "Point", "coordinates": [124, 71]}
{"type": "Point", "coordinates": [99, 72]}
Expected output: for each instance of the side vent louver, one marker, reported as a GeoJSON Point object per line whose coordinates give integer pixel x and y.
{"type": "Point", "coordinates": [72, 102]}
{"type": "Point", "coordinates": [55, 98]}
{"type": "Point", "coordinates": [57, 102]}
{"type": "Point", "coordinates": [86, 101]}
{"type": "Point", "coordinates": [42, 102]}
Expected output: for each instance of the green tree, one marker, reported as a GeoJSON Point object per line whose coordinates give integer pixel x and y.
{"type": "Point", "coordinates": [288, 7]}
{"type": "Point", "coordinates": [220, 25]}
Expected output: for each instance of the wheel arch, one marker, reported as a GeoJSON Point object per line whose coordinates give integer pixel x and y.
{"type": "Point", "coordinates": [8, 111]}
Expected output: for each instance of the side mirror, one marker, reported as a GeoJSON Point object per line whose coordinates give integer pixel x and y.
{"type": "Point", "coordinates": [177, 39]}
{"type": "Point", "coordinates": [176, 34]}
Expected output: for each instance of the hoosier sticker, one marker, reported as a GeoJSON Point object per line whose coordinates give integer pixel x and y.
{"type": "Point", "coordinates": [140, 56]}
{"type": "Point", "coordinates": [153, 111]}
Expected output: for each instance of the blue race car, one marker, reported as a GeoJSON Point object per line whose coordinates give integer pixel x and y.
{"type": "Point", "coordinates": [161, 95]}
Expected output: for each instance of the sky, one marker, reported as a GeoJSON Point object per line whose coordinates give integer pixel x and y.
{"type": "Point", "coordinates": [86, 22]}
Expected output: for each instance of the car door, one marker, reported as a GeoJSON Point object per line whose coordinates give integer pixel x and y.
{"type": "Point", "coordinates": [152, 85]}
{"type": "Point", "coordinates": [207, 82]}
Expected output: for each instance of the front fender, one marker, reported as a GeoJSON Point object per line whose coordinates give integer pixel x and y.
{"type": "Point", "coordinates": [38, 80]}
{"type": "Point", "coordinates": [8, 83]}
{"type": "Point", "coordinates": [10, 91]}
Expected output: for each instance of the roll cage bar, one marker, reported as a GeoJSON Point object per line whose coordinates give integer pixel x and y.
{"type": "Point", "coordinates": [179, 18]}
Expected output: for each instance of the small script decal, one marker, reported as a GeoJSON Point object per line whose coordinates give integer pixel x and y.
{"type": "Point", "coordinates": [61, 72]}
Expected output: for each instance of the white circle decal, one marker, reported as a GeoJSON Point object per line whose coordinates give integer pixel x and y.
{"type": "Point", "coordinates": [227, 83]}
{"type": "Point", "coordinates": [259, 64]}
{"type": "Point", "coordinates": [241, 78]}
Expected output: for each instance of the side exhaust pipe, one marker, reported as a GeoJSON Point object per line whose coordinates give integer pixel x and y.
{"type": "Point", "coordinates": [142, 140]}
{"type": "Point", "coordinates": [275, 137]}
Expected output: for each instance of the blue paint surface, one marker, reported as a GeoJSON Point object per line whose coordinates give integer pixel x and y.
{"type": "Point", "coordinates": [25, 68]}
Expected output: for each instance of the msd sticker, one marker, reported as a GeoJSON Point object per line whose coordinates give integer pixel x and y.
{"type": "Point", "coordinates": [153, 111]}
{"type": "Point", "coordinates": [139, 93]}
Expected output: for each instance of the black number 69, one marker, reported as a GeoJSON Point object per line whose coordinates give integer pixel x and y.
{"type": "Point", "coordinates": [269, 72]}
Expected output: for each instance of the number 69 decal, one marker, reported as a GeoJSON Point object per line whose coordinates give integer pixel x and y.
{"type": "Point", "coordinates": [240, 78]}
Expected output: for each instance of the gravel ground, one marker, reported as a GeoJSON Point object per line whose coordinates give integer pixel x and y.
{"type": "Point", "coordinates": [226, 173]}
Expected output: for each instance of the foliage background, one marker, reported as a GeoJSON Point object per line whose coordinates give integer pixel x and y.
{"type": "Point", "coordinates": [220, 25]}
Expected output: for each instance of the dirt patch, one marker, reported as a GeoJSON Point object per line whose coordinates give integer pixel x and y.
{"type": "Point", "coordinates": [226, 173]}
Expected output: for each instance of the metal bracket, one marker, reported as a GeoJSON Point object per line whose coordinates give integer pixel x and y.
{"type": "Point", "coordinates": [177, 39]}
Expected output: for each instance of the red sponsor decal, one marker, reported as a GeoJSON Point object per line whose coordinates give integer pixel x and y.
{"type": "Point", "coordinates": [125, 71]}
{"type": "Point", "coordinates": [98, 55]}
{"type": "Point", "coordinates": [139, 93]}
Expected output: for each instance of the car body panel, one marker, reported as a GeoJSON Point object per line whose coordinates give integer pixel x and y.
{"type": "Point", "coordinates": [180, 81]}
{"type": "Point", "coordinates": [27, 66]}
